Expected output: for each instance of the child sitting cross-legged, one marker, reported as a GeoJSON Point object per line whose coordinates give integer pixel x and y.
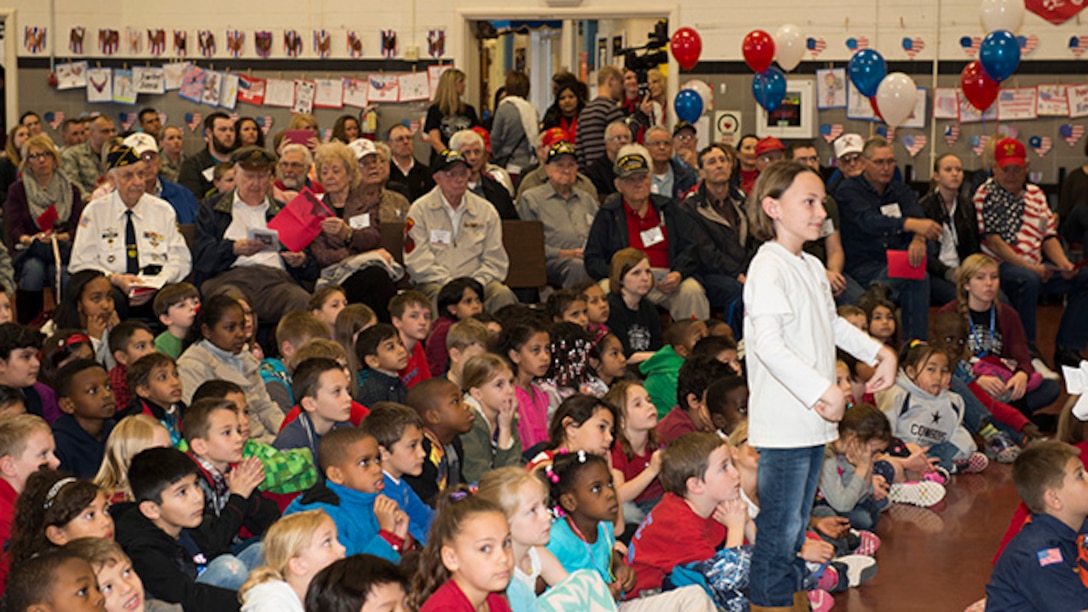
{"type": "Point", "coordinates": [324, 395]}
{"type": "Point", "coordinates": [285, 472]}
{"type": "Point", "coordinates": [366, 520]}
{"type": "Point", "coordinates": [1041, 568]}
{"type": "Point", "coordinates": [156, 391]}
{"type": "Point", "coordinates": [382, 355]}
{"type": "Point", "coordinates": [118, 581]}
{"type": "Point", "coordinates": [445, 416]}
{"type": "Point", "coordinates": [296, 548]}
{"type": "Point", "coordinates": [175, 306]}
{"type": "Point", "coordinates": [229, 482]}
{"type": "Point", "coordinates": [701, 508]}
{"type": "Point", "coordinates": [399, 433]}
{"type": "Point", "coordinates": [582, 539]}
{"type": "Point", "coordinates": [849, 485]}
{"type": "Point", "coordinates": [129, 341]}
{"type": "Point", "coordinates": [158, 537]}
{"type": "Point", "coordinates": [83, 393]}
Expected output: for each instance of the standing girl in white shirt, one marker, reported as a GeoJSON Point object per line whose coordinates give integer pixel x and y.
{"type": "Point", "coordinates": [791, 331]}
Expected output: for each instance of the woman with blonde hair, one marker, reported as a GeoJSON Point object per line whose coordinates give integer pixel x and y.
{"type": "Point", "coordinates": [449, 114]}
{"type": "Point", "coordinates": [43, 190]}
{"type": "Point", "coordinates": [131, 435]}
{"type": "Point", "coordinates": [353, 191]}
{"type": "Point", "coordinates": [296, 548]}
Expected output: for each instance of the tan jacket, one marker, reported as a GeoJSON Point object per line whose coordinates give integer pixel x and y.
{"type": "Point", "coordinates": [434, 253]}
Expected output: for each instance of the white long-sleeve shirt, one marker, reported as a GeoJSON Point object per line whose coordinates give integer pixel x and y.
{"type": "Point", "coordinates": [790, 334]}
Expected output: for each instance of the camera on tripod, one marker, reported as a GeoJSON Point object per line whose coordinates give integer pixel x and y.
{"type": "Point", "coordinates": [641, 59]}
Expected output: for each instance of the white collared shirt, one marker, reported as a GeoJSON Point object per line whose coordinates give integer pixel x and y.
{"type": "Point", "coordinates": [242, 218]}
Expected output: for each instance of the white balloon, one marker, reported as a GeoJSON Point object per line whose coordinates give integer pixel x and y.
{"type": "Point", "coordinates": [789, 46]}
{"type": "Point", "coordinates": [896, 97]}
{"type": "Point", "coordinates": [704, 91]}
{"type": "Point", "coordinates": [1002, 15]}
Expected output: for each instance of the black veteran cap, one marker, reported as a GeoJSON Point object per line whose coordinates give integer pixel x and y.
{"type": "Point", "coordinates": [253, 158]}
{"type": "Point", "coordinates": [446, 159]}
{"type": "Point", "coordinates": [560, 149]}
{"type": "Point", "coordinates": [632, 163]}
{"type": "Point", "coordinates": [121, 155]}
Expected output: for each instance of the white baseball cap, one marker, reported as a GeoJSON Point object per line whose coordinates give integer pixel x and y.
{"type": "Point", "coordinates": [141, 143]}
{"type": "Point", "coordinates": [848, 143]}
{"type": "Point", "coordinates": [362, 147]}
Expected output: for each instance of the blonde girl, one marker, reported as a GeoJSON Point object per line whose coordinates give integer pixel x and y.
{"type": "Point", "coordinates": [296, 548]}
{"type": "Point", "coordinates": [449, 114]}
{"type": "Point", "coordinates": [791, 330]}
{"type": "Point", "coordinates": [468, 560]}
{"type": "Point", "coordinates": [524, 500]}
{"type": "Point", "coordinates": [493, 442]}
{"type": "Point", "coordinates": [636, 453]}
{"type": "Point", "coordinates": [131, 435]}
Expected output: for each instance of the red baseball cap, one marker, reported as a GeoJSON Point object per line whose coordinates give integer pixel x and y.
{"type": "Point", "coordinates": [485, 135]}
{"type": "Point", "coordinates": [1010, 151]}
{"type": "Point", "coordinates": [767, 144]}
{"type": "Point", "coordinates": [554, 135]}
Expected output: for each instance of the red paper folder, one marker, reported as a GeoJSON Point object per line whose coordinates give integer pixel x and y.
{"type": "Point", "coordinates": [899, 266]}
{"type": "Point", "coordinates": [300, 221]}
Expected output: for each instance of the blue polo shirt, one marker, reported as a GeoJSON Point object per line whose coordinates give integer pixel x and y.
{"type": "Point", "coordinates": [872, 223]}
{"type": "Point", "coordinates": [1039, 570]}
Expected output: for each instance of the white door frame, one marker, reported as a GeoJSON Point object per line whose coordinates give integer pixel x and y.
{"type": "Point", "coordinates": [11, 66]}
{"type": "Point", "coordinates": [463, 38]}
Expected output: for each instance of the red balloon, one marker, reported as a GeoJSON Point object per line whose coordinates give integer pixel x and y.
{"type": "Point", "coordinates": [980, 89]}
{"type": "Point", "coordinates": [876, 108]}
{"type": "Point", "coordinates": [758, 49]}
{"type": "Point", "coordinates": [686, 46]}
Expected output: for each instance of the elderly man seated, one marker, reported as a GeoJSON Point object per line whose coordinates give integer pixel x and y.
{"type": "Point", "coordinates": [184, 202]}
{"type": "Point", "coordinates": [538, 175]}
{"type": "Point", "coordinates": [472, 147]}
{"type": "Point", "coordinates": [293, 173]}
{"type": "Point", "coordinates": [1018, 228]}
{"type": "Point", "coordinates": [229, 252]}
{"type": "Point", "coordinates": [566, 212]}
{"type": "Point", "coordinates": [131, 236]}
{"type": "Point", "coordinates": [671, 177]}
{"type": "Point", "coordinates": [602, 172]}
{"type": "Point", "coordinates": [452, 232]}
{"type": "Point", "coordinates": [651, 223]}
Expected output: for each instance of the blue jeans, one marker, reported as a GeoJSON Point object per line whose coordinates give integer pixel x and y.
{"type": "Point", "coordinates": [1024, 288]}
{"type": "Point", "coordinates": [850, 295]}
{"type": "Point", "coordinates": [36, 274]}
{"type": "Point", "coordinates": [787, 488]}
{"type": "Point", "coordinates": [862, 516]}
{"type": "Point", "coordinates": [229, 571]}
{"type": "Point", "coordinates": [911, 295]}
{"type": "Point", "coordinates": [944, 452]}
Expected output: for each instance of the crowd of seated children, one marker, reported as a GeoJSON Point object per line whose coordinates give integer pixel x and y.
{"type": "Point", "coordinates": [293, 330]}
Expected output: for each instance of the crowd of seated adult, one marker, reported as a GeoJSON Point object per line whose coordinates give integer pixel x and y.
{"type": "Point", "coordinates": [600, 173]}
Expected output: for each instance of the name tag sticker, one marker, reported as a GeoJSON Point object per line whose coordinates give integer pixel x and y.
{"type": "Point", "coordinates": [360, 221]}
{"type": "Point", "coordinates": [652, 236]}
{"type": "Point", "coordinates": [891, 210]}
{"type": "Point", "coordinates": [827, 228]}
{"type": "Point", "coordinates": [441, 237]}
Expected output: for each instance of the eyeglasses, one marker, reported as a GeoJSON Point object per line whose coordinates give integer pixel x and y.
{"type": "Point", "coordinates": [623, 139]}
{"type": "Point", "coordinates": [685, 137]}
{"type": "Point", "coordinates": [659, 143]}
{"type": "Point", "coordinates": [292, 165]}
{"type": "Point", "coordinates": [850, 158]}
{"type": "Point", "coordinates": [37, 156]}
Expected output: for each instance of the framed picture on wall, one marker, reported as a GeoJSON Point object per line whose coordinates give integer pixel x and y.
{"type": "Point", "coordinates": [831, 88]}
{"type": "Point", "coordinates": [796, 118]}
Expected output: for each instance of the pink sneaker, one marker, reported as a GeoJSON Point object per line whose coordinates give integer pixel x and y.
{"type": "Point", "coordinates": [870, 543]}
{"type": "Point", "coordinates": [828, 580]}
{"type": "Point", "coordinates": [820, 601]}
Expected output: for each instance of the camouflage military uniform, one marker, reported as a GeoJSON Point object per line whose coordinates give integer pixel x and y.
{"type": "Point", "coordinates": [83, 167]}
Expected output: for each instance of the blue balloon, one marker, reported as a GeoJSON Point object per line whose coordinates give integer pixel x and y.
{"type": "Point", "coordinates": [769, 88]}
{"type": "Point", "coordinates": [689, 105]}
{"type": "Point", "coordinates": [867, 70]}
{"type": "Point", "coordinates": [999, 54]}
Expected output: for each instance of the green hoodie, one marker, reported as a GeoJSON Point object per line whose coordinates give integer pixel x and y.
{"type": "Point", "coordinates": [662, 371]}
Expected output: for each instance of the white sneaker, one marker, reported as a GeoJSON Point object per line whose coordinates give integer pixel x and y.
{"type": "Point", "coordinates": [1041, 367]}
{"type": "Point", "coordinates": [924, 494]}
{"type": "Point", "coordinates": [859, 568]}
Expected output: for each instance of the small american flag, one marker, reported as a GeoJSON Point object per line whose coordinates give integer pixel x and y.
{"type": "Point", "coordinates": [1049, 556]}
{"type": "Point", "coordinates": [1028, 43]}
{"type": "Point", "coordinates": [1078, 45]}
{"type": "Point", "coordinates": [914, 143]}
{"type": "Point", "coordinates": [831, 132]}
{"type": "Point", "coordinates": [815, 46]}
{"type": "Point", "coordinates": [857, 43]}
{"type": "Point", "coordinates": [1041, 144]}
{"type": "Point", "coordinates": [970, 45]}
{"type": "Point", "coordinates": [1071, 133]}
{"type": "Point", "coordinates": [978, 143]}
{"type": "Point", "coordinates": [913, 46]}
{"type": "Point", "coordinates": [951, 134]}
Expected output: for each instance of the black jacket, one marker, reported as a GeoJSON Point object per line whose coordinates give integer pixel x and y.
{"type": "Point", "coordinates": [426, 484]}
{"type": "Point", "coordinates": [608, 234]}
{"type": "Point", "coordinates": [413, 185]}
{"type": "Point", "coordinates": [166, 568]}
{"type": "Point", "coordinates": [964, 221]}
{"type": "Point", "coordinates": [494, 192]}
{"type": "Point", "coordinates": [213, 255]}
{"type": "Point", "coordinates": [716, 245]}
{"type": "Point", "coordinates": [602, 173]}
{"type": "Point", "coordinates": [191, 173]}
